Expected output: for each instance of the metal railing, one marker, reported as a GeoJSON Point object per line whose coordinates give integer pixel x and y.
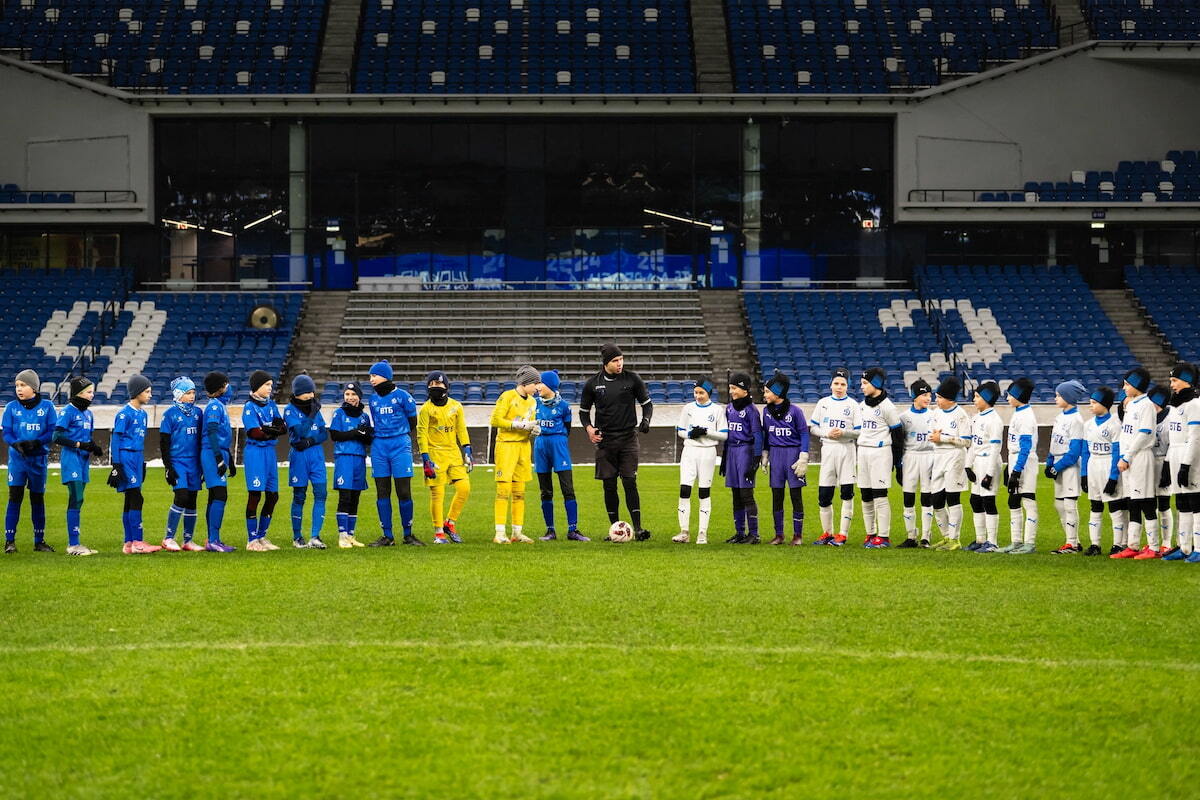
{"type": "Point", "coordinates": [244, 285]}
{"type": "Point", "coordinates": [89, 351]}
{"type": "Point", "coordinates": [941, 329]}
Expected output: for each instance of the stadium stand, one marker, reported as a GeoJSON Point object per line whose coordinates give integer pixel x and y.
{"type": "Point", "coordinates": [1161, 20]}
{"type": "Point", "coordinates": [1171, 296]}
{"type": "Point", "coordinates": [12, 193]}
{"type": "Point", "coordinates": [868, 46]}
{"type": "Point", "coordinates": [1008, 321]}
{"type": "Point", "coordinates": [514, 46]}
{"type": "Point", "coordinates": [179, 46]}
{"type": "Point", "coordinates": [662, 335]}
{"type": "Point", "coordinates": [806, 334]}
{"type": "Point", "coordinates": [1174, 179]}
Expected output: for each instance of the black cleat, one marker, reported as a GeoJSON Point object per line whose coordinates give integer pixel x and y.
{"type": "Point", "coordinates": [752, 539]}
{"type": "Point", "coordinates": [1116, 548]}
{"type": "Point", "coordinates": [42, 547]}
{"type": "Point", "coordinates": [412, 541]}
{"type": "Point", "coordinates": [10, 547]}
{"type": "Point", "coordinates": [642, 535]}
{"type": "Point", "coordinates": [383, 541]}
{"type": "Point", "coordinates": [777, 540]}
{"type": "Point", "coordinates": [907, 544]}
{"type": "Point", "coordinates": [1093, 550]}
{"type": "Point", "coordinates": [737, 538]}
{"type": "Point", "coordinates": [924, 544]}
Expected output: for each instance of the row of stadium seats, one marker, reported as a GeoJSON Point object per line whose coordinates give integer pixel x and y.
{"type": "Point", "coordinates": [1143, 19]}
{"type": "Point", "coordinates": [1174, 179]}
{"type": "Point", "coordinates": [12, 193]}
{"type": "Point", "coordinates": [1171, 296]}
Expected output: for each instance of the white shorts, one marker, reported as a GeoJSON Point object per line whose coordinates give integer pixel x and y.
{"type": "Point", "coordinates": [837, 464]}
{"type": "Point", "coordinates": [1140, 481]}
{"type": "Point", "coordinates": [696, 466]}
{"type": "Point", "coordinates": [1067, 482]}
{"type": "Point", "coordinates": [1029, 477]}
{"type": "Point", "coordinates": [1175, 458]}
{"type": "Point", "coordinates": [949, 470]}
{"type": "Point", "coordinates": [874, 467]}
{"type": "Point", "coordinates": [980, 474]}
{"type": "Point", "coordinates": [1099, 468]}
{"type": "Point", "coordinates": [918, 466]}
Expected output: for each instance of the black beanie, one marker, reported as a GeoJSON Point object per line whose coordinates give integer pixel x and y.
{"type": "Point", "coordinates": [779, 384]}
{"type": "Point", "coordinates": [949, 388]}
{"type": "Point", "coordinates": [608, 352]}
{"type": "Point", "coordinates": [989, 391]}
{"type": "Point", "coordinates": [1138, 378]}
{"type": "Point", "coordinates": [1104, 396]}
{"type": "Point", "coordinates": [78, 385]}
{"type": "Point", "coordinates": [740, 380]}
{"type": "Point", "coordinates": [1021, 389]}
{"type": "Point", "coordinates": [1160, 395]}
{"type": "Point", "coordinates": [257, 379]}
{"type": "Point", "coordinates": [919, 387]}
{"type": "Point", "coordinates": [841, 372]}
{"type": "Point", "coordinates": [1186, 372]}
{"type": "Point", "coordinates": [354, 386]}
{"type": "Point", "coordinates": [875, 376]}
{"type": "Point", "coordinates": [214, 382]}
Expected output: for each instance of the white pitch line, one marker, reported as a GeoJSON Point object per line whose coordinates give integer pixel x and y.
{"type": "Point", "coordinates": [782, 650]}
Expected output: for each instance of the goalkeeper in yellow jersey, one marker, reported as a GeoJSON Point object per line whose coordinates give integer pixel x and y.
{"type": "Point", "coordinates": [445, 455]}
{"type": "Point", "coordinates": [513, 419]}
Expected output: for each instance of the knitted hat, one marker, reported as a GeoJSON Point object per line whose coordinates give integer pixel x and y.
{"type": "Point", "coordinates": [740, 380]}
{"type": "Point", "coordinates": [779, 384]}
{"type": "Point", "coordinates": [30, 379]}
{"type": "Point", "coordinates": [527, 375]}
{"type": "Point", "coordinates": [841, 372]}
{"type": "Point", "coordinates": [875, 376]}
{"type": "Point", "coordinates": [136, 385]}
{"type": "Point", "coordinates": [949, 388]}
{"type": "Point", "coordinates": [1021, 390]}
{"type": "Point", "coordinates": [78, 385]}
{"type": "Point", "coordinates": [1188, 373]}
{"type": "Point", "coordinates": [919, 387]}
{"type": "Point", "coordinates": [1138, 378]}
{"type": "Point", "coordinates": [989, 391]}
{"type": "Point", "coordinates": [303, 384]}
{"type": "Point", "coordinates": [1120, 397]}
{"type": "Point", "coordinates": [1159, 394]}
{"type": "Point", "coordinates": [354, 386]}
{"type": "Point", "coordinates": [257, 379]}
{"type": "Point", "coordinates": [1072, 392]}
{"type": "Point", "coordinates": [551, 380]}
{"type": "Point", "coordinates": [181, 386]}
{"type": "Point", "coordinates": [383, 369]}
{"type": "Point", "coordinates": [705, 383]}
{"type": "Point", "coordinates": [214, 382]}
{"type": "Point", "coordinates": [608, 352]}
{"type": "Point", "coordinates": [1104, 396]}
{"type": "Point", "coordinates": [437, 376]}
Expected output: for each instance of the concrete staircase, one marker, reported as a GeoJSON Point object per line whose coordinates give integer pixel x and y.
{"type": "Point", "coordinates": [1148, 346]}
{"type": "Point", "coordinates": [710, 45]}
{"type": "Point", "coordinates": [315, 340]}
{"type": "Point", "coordinates": [336, 62]}
{"type": "Point", "coordinates": [727, 333]}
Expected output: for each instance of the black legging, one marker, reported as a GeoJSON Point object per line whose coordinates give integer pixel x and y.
{"type": "Point", "coordinates": [566, 482]}
{"type": "Point", "coordinates": [133, 499]}
{"type": "Point", "coordinates": [268, 504]}
{"type": "Point", "coordinates": [744, 499]}
{"type": "Point", "coordinates": [348, 501]}
{"type": "Point", "coordinates": [612, 503]}
{"type": "Point", "coordinates": [795, 493]}
{"type": "Point", "coordinates": [186, 499]}
{"type": "Point", "coordinates": [383, 489]}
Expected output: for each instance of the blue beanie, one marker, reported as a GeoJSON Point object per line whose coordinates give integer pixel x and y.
{"type": "Point", "coordinates": [181, 386]}
{"type": "Point", "coordinates": [707, 385]}
{"type": "Point", "coordinates": [437, 376]}
{"type": "Point", "coordinates": [1160, 395]}
{"type": "Point", "coordinates": [302, 384]}
{"type": "Point", "coordinates": [1104, 396]}
{"type": "Point", "coordinates": [383, 369]}
{"type": "Point", "coordinates": [1073, 392]}
{"type": "Point", "coordinates": [990, 392]}
{"type": "Point", "coordinates": [551, 380]}
{"type": "Point", "coordinates": [779, 384]}
{"type": "Point", "coordinates": [1021, 390]}
{"type": "Point", "coordinates": [1138, 378]}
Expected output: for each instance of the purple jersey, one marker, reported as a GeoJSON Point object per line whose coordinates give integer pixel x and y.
{"type": "Point", "coordinates": [745, 427]}
{"type": "Point", "coordinates": [791, 430]}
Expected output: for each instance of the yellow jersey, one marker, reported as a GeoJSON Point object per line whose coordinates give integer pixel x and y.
{"type": "Point", "coordinates": [512, 406]}
{"type": "Point", "coordinates": [442, 431]}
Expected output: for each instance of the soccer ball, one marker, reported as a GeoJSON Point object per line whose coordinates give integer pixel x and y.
{"type": "Point", "coordinates": [620, 532]}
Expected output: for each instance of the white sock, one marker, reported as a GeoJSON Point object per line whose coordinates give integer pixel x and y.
{"type": "Point", "coordinates": [1120, 526]}
{"type": "Point", "coordinates": [977, 522]}
{"type": "Point", "coordinates": [517, 531]}
{"type": "Point", "coordinates": [1069, 513]}
{"type": "Point", "coordinates": [847, 516]}
{"type": "Point", "coordinates": [826, 514]}
{"type": "Point", "coordinates": [943, 523]}
{"type": "Point", "coordinates": [910, 522]}
{"type": "Point", "coordinates": [1095, 526]}
{"type": "Point", "coordinates": [926, 522]}
{"type": "Point", "coordinates": [1031, 520]}
{"type": "Point", "coordinates": [954, 517]}
{"type": "Point", "coordinates": [883, 516]}
{"type": "Point", "coordinates": [1183, 531]}
{"type": "Point", "coordinates": [500, 530]}
{"type": "Point", "coordinates": [1133, 535]}
{"type": "Point", "coordinates": [868, 509]}
{"type": "Point", "coordinates": [1016, 521]}
{"type": "Point", "coordinates": [1166, 525]}
{"type": "Point", "coordinates": [705, 511]}
{"type": "Point", "coordinates": [685, 512]}
{"type": "Point", "coordinates": [993, 528]}
{"type": "Point", "coordinates": [1151, 526]}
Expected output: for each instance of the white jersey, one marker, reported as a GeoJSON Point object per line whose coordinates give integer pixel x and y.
{"type": "Point", "coordinates": [1137, 430]}
{"type": "Point", "coordinates": [1068, 426]}
{"type": "Point", "coordinates": [955, 427]}
{"type": "Point", "coordinates": [710, 416]}
{"type": "Point", "coordinates": [1185, 426]}
{"type": "Point", "coordinates": [836, 413]}
{"type": "Point", "coordinates": [917, 427]}
{"type": "Point", "coordinates": [1022, 424]}
{"type": "Point", "coordinates": [877, 423]}
{"type": "Point", "coordinates": [1100, 435]}
{"type": "Point", "coordinates": [1162, 436]}
{"type": "Point", "coordinates": [987, 436]}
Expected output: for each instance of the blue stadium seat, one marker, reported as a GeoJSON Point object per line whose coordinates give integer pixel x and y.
{"type": "Point", "coordinates": [1170, 295]}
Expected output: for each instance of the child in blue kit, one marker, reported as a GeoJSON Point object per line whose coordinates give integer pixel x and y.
{"type": "Point", "coordinates": [263, 426]}
{"type": "Point", "coordinates": [216, 457]}
{"type": "Point", "coordinates": [128, 471]}
{"type": "Point", "coordinates": [28, 428]}
{"type": "Point", "coordinates": [306, 433]}
{"type": "Point", "coordinates": [73, 433]}
{"type": "Point", "coordinates": [552, 456]}
{"type": "Point", "coordinates": [179, 442]}
{"type": "Point", "coordinates": [394, 415]}
{"type": "Point", "coordinates": [351, 432]}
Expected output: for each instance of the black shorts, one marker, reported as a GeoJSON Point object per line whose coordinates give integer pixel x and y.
{"type": "Point", "coordinates": [617, 456]}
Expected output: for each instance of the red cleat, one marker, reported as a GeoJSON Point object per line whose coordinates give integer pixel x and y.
{"type": "Point", "coordinates": [192, 547]}
{"type": "Point", "coordinates": [824, 538]}
{"type": "Point", "coordinates": [141, 547]}
{"type": "Point", "coordinates": [838, 540]}
{"type": "Point", "coordinates": [1128, 552]}
{"type": "Point", "coordinates": [1147, 553]}
{"type": "Point", "coordinates": [126, 548]}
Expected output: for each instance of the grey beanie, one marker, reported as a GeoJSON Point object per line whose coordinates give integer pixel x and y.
{"type": "Point", "coordinates": [30, 379]}
{"type": "Point", "coordinates": [527, 375]}
{"type": "Point", "coordinates": [136, 385]}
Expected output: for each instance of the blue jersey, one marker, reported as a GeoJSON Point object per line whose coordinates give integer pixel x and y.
{"type": "Point", "coordinates": [301, 426]}
{"type": "Point", "coordinates": [216, 426]}
{"type": "Point", "coordinates": [129, 431]}
{"type": "Point", "coordinates": [391, 414]}
{"type": "Point", "coordinates": [183, 426]}
{"type": "Point", "coordinates": [554, 417]}
{"type": "Point", "coordinates": [344, 422]}
{"type": "Point", "coordinates": [259, 416]}
{"type": "Point", "coordinates": [76, 425]}
{"type": "Point", "coordinates": [35, 424]}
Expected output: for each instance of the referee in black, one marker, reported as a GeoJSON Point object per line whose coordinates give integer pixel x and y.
{"type": "Point", "coordinates": [615, 393]}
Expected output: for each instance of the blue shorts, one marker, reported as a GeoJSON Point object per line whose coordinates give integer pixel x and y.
{"type": "Point", "coordinates": [208, 465]}
{"type": "Point", "coordinates": [189, 475]}
{"type": "Point", "coordinates": [737, 462]}
{"type": "Point", "coordinates": [392, 458]}
{"type": "Point", "coordinates": [261, 468]}
{"type": "Point", "coordinates": [781, 475]}
{"type": "Point", "coordinates": [29, 472]}
{"type": "Point", "coordinates": [350, 473]}
{"type": "Point", "coordinates": [307, 466]}
{"type": "Point", "coordinates": [551, 454]}
{"type": "Point", "coordinates": [133, 463]}
{"type": "Point", "coordinates": [76, 465]}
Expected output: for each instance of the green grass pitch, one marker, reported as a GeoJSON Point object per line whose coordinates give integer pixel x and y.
{"type": "Point", "coordinates": [589, 670]}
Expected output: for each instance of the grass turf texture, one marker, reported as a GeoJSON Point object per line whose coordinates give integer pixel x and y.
{"type": "Point", "coordinates": [589, 670]}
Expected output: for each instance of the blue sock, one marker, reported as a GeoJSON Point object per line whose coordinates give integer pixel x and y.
{"type": "Point", "coordinates": [173, 516]}
{"type": "Point", "coordinates": [189, 524]}
{"type": "Point", "coordinates": [125, 524]}
{"type": "Point", "coordinates": [318, 511]}
{"type": "Point", "coordinates": [406, 514]}
{"type": "Point", "coordinates": [135, 525]}
{"type": "Point", "coordinates": [72, 526]}
{"type": "Point", "coordinates": [353, 523]}
{"type": "Point", "coordinates": [215, 516]}
{"type": "Point", "coordinates": [739, 520]}
{"type": "Point", "coordinates": [298, 496]}
{"type": "Point", "coordinates": [548, 513]}
{"type": "Point", "coordinates": [11, 515]}
{"type": "Point", "coordinates": [385, 516]}
{"type": "Point", "coordinates": [264, 525]}
{"type": "Point", "coordinates": [251, 529]}
{"type": "Point", "coordinates": [37, 510]}
{"type": "Point", "coordinates": [572, 514]}
{"type": "Point", "coordinates": [343, 523]}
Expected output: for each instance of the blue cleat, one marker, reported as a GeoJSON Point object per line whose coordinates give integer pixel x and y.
{"type": "Point", "coordinates": [878, 543]}
{"type": "Point", "coordinates": [1175, 555]}
{"type": "Point", "coordinates": [1194, 558]}
{"type": "Point", "coordinates": [973, 546]}
{"type": "Point", "coordinates": [987, 547]}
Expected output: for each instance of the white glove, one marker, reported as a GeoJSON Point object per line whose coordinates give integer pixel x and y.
{"type": "Point", "coordinates": [800, 467]}
{"type": "Point", "coordinates": [766, 462]}
{"type": "Point", "coordinates": [535, 429]}
{"type": "Point", "coordinates": [521, 424]}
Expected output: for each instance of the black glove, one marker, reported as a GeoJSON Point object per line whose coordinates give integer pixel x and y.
{"type": "Point", "coordinates": [900, 474]}
{"type": "Point", "coordinates": [644, 425]}
{"type": "Point", "coordinates": [116, 476]}
{"type": "Point", "coordinates": [1014, 481]}
{"type": "Point", "coordinates": [1083, 482]}
{"type": "Point", "coordinates": [232, 468]}
{"type": "Point", "coordinates": [92, 448]}
{"type": "Point", "coordinates": [971, 475]}
{"type": "Point", "coordinates": [365, 435]}
{"type": "Point", "coordinates": [696, 433]}
{"type": "Point", "coordinates": [172, 476]}
{"type": "Point", "coordinates": [304, 443]}
{"type": "Point", "coordinates": [1050, 472]}
{"type": "Point", "coordinates": [1164, 480]}
{"type": "Point", "coordinates": [144, 466]}
{"type": "Point", "coordinates": [1185, 475]}
{"type": "Point", "coordinates": [1111, 486]}
{"type": "Point", "coordinates": [986, 483]}
{"type": "Point", "coordinates": [276, 427]}
{"type": "Point", "coordinates": [1005, 474]}
{"type": "Point", "coordinates": [721, 469]}
{"type": "Point", "coordinates": [222, 467]}
{"type": "Point", "coordinates": [28, 448]}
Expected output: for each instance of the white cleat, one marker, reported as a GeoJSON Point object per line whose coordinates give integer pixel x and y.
{"type": "Point", "coordinates": [268, 544]}
{"type": "Point", "coordinates": [500, 538]}
{"type": "Point", "coordinates": [702, 539]}
{"type": "Point", "coordinates": [315, 543]}
{"type": "Point", "coordinates": [171, 546]}
{"type": "Point", "coordinates": [346, 542]}
{"type": "Point", "coordinates": [299, 544]}
{"type": "Point", "coordinates": [256, 546]}
{"type": "Point", "coordinates": [520, 538]}
{"type": "Point", "coordinates": [682, 538]}
{"type": "Point", "coordinates": [80, 550]}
